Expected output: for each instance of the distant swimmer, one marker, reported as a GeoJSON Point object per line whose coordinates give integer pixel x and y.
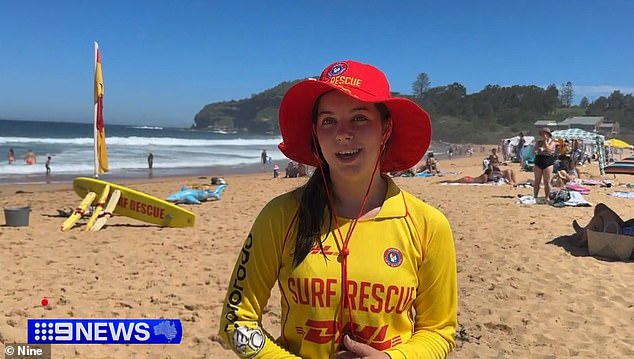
{"type": "Point", "coordinates": [11, 156]}
{"type": "Point", "coordinates": [29, 158]}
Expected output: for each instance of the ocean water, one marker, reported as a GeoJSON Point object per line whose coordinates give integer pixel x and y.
{"type": "Point", "coordinates": [176, 150]}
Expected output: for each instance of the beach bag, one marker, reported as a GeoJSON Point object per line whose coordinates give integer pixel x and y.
{"type": "Point", "coordinates": [560, 196]}
{"type": "Point", "coordinates": [218, 180]}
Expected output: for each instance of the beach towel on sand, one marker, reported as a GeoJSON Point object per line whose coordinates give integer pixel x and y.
{"type": "Point", "coordinates": [490, 183]}
{"type": "Point", "coordinates": [472, 184]}
{"type": "Point", "coordinates": [577, 188]}
{"type": "Point", "coordinates": [577, 200]}
{"type": "Point", "coordinates": [622, 194]}
{"type": "Point", "coordinates": [526, 200]}
{"type": "Point", "coordinates": [565, 198]}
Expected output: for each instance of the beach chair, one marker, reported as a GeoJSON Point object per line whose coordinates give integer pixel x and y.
{"type": "Point", "coordinates": [529, 158]}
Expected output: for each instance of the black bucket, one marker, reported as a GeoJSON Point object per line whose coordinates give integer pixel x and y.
{"type": "Point", "coordinates": [17, 216]}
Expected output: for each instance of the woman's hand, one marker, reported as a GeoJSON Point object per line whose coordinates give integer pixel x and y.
{"type": "Point", "coordinates": [357, 350]}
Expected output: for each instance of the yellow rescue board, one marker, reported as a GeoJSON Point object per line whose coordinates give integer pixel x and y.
{"type": "Point", "coordinates": [139, 205]}
{"type": "Point", "coordinates": [98, 207]}
{"type": "Point", "coordinates": [107, 211]}
{"type": "Point", "coordinates": [89, 196]}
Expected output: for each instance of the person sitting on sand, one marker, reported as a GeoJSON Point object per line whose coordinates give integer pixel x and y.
{"type": "Point", "coordinates": [292, 170]}
{"type": "Point", "coordinates": [488, 176]}
{"type": "Point", "coordinates": [604, 220]}
{"type": "Point", "coordinates": [567, 173]}
{"type": "Point", "coordinates": [561, 179]}
{"type": "Point", "coordinates": [431, 164]}
{"type": "Point", "coordinates": [494, 160]}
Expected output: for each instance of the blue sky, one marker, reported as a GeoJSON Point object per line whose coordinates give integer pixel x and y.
{"type": "Point", "coordinates": [164, 60]}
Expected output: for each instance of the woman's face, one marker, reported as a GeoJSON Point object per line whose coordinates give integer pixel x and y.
{"type": "Point", "coordinates": [349, 134]}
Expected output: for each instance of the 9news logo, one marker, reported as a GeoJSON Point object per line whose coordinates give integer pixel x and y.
{"type": "Point", "coordinates": [104, 331]}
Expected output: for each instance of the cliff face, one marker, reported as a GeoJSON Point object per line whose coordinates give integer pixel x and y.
{"type": "Point", "coordinates": [258, 114]}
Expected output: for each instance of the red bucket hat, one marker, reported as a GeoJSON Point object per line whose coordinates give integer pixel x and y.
{"type": "Point", "coordinates": [411, 125]}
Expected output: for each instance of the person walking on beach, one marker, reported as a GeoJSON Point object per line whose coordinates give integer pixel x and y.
{"type": "Point", "coordinates": [264, 158]}
{"type": "Point", "coordinates": [366, 269]}
{"type": "Point", "coordinates": [150, 160]}
{"type": "Point", "coordinates": [11, 156]}
{"type": "Point", "coordinates": [48, 166]}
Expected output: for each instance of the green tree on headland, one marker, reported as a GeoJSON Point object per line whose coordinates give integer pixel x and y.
{"type": "Point", "coordinates": [566, 94]}
{"type": "Point", "coordinates": [421, 85]}
{"type": "Point", "coordinates": [584, 103]}
{"type": "Point", "coordinates": [481, 117]}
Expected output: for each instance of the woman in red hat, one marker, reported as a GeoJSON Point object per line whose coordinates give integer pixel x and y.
{"type": "Point", "coordinates": [544, 160]}
{"type": "Point", "coordinates": [365, 269]}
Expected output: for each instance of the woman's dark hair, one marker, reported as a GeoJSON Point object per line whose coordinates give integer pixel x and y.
{"type": "Point", "coordinates": [314, 200]}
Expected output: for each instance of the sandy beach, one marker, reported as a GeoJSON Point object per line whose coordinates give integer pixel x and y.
{"type": "Point", "coordinates": [525, 291]}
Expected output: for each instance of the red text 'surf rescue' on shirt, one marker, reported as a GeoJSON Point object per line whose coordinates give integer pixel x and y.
{"type": "Point", "coordinates": [400, 262]}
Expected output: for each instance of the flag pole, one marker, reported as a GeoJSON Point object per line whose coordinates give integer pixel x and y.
{"type": "Point", "coordinates": [94, 123]}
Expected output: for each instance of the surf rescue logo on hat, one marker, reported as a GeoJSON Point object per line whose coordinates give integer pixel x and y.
{"type": "Point", "coordinates": [393, 257]}
{"type": "Point", "coordinates": [337, 69]}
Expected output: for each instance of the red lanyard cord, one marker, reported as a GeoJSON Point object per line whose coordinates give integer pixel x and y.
{"type": "Point", "coordinates": [344, 249]}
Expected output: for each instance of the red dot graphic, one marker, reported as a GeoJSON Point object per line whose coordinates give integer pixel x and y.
{"type": "Point", "coordinates": [44, 302]}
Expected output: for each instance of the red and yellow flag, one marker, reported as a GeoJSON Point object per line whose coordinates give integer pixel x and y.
{"type": "Point", "coordinates": [101, 155]}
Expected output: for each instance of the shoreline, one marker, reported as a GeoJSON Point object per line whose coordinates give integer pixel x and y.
{"type": "Point", "coordinates": [144, 174]}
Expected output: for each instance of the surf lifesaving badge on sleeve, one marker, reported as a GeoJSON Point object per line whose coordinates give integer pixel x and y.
{"type": "Point", "coordinates": [246, 341]}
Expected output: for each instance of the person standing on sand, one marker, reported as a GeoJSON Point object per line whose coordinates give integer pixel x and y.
{"type": "Point", "coordinates": [544, 161]}
{"type": "Point", "coordinates": [519, 150]}
{"type": "Point", "coordinates": [366, 269]}
{"type": "Point", "coordinates": [150, 160]}
{"type": "Point", "coordinates": [48, 165]}
{"type": "Point", "coordinates": [264, 158]}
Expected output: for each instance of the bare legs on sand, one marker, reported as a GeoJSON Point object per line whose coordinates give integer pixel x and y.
{"type": "Point", "coordinates": [546, 174]}
{"type": "Point", "coordinates": [604, 220]}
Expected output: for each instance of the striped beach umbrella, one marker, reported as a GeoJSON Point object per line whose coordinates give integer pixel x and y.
{"type": "Point", "coordinates": [574, 134]}
{"type": "Point", "coordinates": [579, 134]}
{"type": "Point", "coordinates": [624, 166]}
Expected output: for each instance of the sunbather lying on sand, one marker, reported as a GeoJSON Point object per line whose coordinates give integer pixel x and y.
{"type": "Point", "coordinates": [488, 176]}
{"type": "Point", "coordinates": [604, 220]}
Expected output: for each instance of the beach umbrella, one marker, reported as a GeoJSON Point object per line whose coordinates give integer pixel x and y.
{"type": "Point", "coordinates": [579, 134]}
{"type": "Point", "coordinates": [574, 134]}
{"type": "Point", "coordinates": [616, 143]}
{"type": "Point", "coordinates": [624, 166]}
